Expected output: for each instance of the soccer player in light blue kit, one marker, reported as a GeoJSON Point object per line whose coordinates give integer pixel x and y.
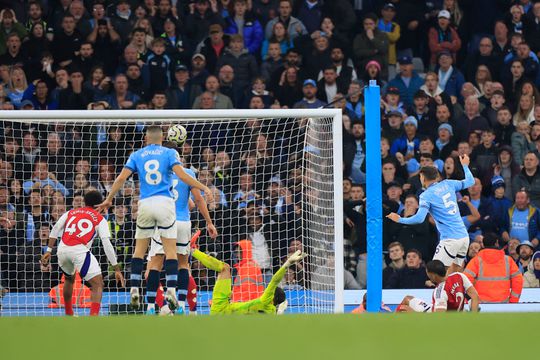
{"type": "Point", "coordinates": [155, 165]}
{"type": "Point", "coordinates": [439, 199]}
{"type": "Point", "coordinates": [181, 193]}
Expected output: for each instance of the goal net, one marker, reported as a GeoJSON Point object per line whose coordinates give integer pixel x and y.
{"type": "Point", "coordinates": [272, 172]}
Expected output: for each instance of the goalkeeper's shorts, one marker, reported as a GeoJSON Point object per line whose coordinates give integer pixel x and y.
{"type": "Point", "coordinates": [221, 296]}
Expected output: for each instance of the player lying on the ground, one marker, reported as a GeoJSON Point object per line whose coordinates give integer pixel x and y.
{"type": "Point", "coordinates": [78, 228]}
{"type": "Point", "coordinates": [449, 295]}
{"type": "Point", "coordinates": [272, 297]}
{"type": "Point", "coordinates": [439, 199]}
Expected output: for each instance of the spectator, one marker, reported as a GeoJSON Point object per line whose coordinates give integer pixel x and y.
{"type": "Point", "coordinates": [409, 143]}
{"type": "Point", "coordinates": [290, 91]}
{"type": "Point", "coordinates": [121, 98]}
{"type": "Point", "coordinates": [182, 94]}
{"type": "Point", "coordinates": [242, 22]}
{"type": "Point", "coordinates": [484, 56]}
{"type": "Point", "coordinates": [529, 179]}
{"type": "Point", "coordinates": [9, 25]}
{"type": "Point", "coordinates": [106, 43]}
{"type": "Point", "coordinates": [371, 44]}
{"type": "Point", "coordinates": [310, 101]}
{"type": "Point", "coordinates": [213, 46]}
{"type": "Point", "coordinates": [495, 265]}
{"type": "Point", "coordinates": [396, 254]}
{"type": "Point", "coordinates": [471, 120]}
{"type": "Point", "coordinates": [531, 30]}
{"type": "Point", "coordinates": [38, 94]}
{"type": "Point", "coordinates": [75, 96]}
{"type": "Point", "coordinates": [13, 54]}
{"type": "Point", "coordinates": [419, 236]}
{"type": "Point", "coordinates": [67, 42]}
{"type": "Point", "coordinates": [229, 87]}
{"type": "Point", "coordinates": [295, 27]}
{"type": "Point", "coordinates": [412, 275]}
{"type": "Point", "coordinates": [407, 81]}
{"type": "Point", "coordinates": [164, 12]}
{"type": "Point", "coordinates": [201, 21]}
{"type": "Point", "coordinates": [443, 37]}
{"type": "Point", "coordinates": [525, 250]}
{"type": "Point", "coordinates": [212, 87]}
{"type": "Point", "coordinates": [330, 84]}
{"type": "Point", "coordinates": [521, 221]}
{"type": "Point", "coordinates": [17, 86]}
{"type": "Point", "coordinates": [243, 63]}
{"type": "Point", "coordinates": [531, 278]}
{"type": "Point", "coordinates": [497, 102]}
{"type": "Point", "coordinates": [451, 80]}
{"type": "Point", "coordinates": [273, 60]}
{"type": "Point", "coordinates": [42, 177]}
{"type": "Point", "coordinates": [309, 13]}
{"type": "Point", "coordinates": [280, 36]}
{"type": "Point", "coordinates": [393, 30]}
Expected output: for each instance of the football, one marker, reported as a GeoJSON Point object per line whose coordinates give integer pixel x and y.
{"type": "Point", "coordinates": [177, 134]}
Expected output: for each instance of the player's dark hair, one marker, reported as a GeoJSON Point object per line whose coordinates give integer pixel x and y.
{"type": "Point", "coordinates": [430, 173]}
{"type": "Point", "coordinates": [279, 296]}
{"type": "Point", "coordinates": [436, 267]}
{"type": "Point", "coordinates": [152, 129]}
{"type": "Point", "coordinates": [171, 145]}
{"type": "Point", "coordinates": [93, 198]}
{"type": "Point", "coordinates": [491, 240]}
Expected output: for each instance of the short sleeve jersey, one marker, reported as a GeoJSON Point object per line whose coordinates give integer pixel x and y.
{"type": "Point", "coordinates": [450, 294]}
{"type": "Point", "coordinates": [154, 164]}
{"type": "Point", "coordinates": [441, 202]}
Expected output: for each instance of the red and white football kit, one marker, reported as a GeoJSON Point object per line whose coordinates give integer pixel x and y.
{"type": "Point", "coordinates": [450, 294]}
{"type": "Point", "coordinates": [77, 229]}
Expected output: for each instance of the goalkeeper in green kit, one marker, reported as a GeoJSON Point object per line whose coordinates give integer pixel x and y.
{"type": "Point", "coordinates": [272, 300]}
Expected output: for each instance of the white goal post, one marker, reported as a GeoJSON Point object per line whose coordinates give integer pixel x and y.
{"type": "Point", "coordinates": [317, 195]}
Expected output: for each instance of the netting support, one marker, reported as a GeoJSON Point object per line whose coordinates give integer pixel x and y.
{"type": "Point", "coordinates": [373, 196]}
{"type": "Point", "coordinates": [338, 212]}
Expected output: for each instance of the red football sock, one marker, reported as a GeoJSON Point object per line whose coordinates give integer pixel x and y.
{"type": "Point", "coordinates": [69, 308]}
{"type": "Point", "coordinates": [94, 309]}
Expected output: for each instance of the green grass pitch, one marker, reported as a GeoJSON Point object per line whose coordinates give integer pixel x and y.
{"type": "Point", "coordinates": [329, 337]}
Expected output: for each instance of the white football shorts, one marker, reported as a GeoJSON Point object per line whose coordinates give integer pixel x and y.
{"type": "Point", "coordinates": [183, 238]}
{"type": "Point", "coordinates": [156, 212]}
{"type": "Point", "coordinates": [452, 251]}
{"type": "Point", "coordinates": [78, 258]}
{"type": "Point", "coordinates": [419, 305]}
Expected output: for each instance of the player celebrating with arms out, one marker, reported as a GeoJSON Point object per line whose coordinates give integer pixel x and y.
{"type": "Point", "coordinates": [181, 193]}
{"type": "Point", "coordinates": [78, 228]}
{"type": "Point", "coordinates": [439, 199]}
{"type": "Point", "coordinates": [155, 164]}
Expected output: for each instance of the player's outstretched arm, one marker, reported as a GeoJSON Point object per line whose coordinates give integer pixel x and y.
{"type": "Point", "coordinates": [418, 218]}
{"type": "Point", "coordinates": [194, 183]}
{"type": "Point", "coordinates": [117, 185]}
{"type": "Point", "coordinates": [469, 178]}
{"type": "Point", "coordinates": [475, 299]}
{"type": "Point", "coordinates": [105, 236]}
{"type": "Point", "coordinates": [55, 233]}
{"type": "Point", "coordinates": [268, 295]}
{"type": "Point", "coordinates": [203, 208]}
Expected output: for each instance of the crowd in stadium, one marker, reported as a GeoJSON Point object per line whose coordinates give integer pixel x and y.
{"type": "Point", "coordinates": [457, 77]}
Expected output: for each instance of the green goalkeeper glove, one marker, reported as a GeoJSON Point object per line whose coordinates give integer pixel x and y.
{"type": "Point", "coordinates": [295, 258]}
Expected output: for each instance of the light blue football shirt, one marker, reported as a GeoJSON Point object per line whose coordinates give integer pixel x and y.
{"type": "Point", "coordinates": [439, 199]}
{"type": "Point", "coordinates": [154, 164]}
{"type": "Point", "coordinates": [181, 193]}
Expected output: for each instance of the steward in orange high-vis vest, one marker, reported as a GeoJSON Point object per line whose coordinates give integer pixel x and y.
{"type": "Point", "coordinates": [248, 282]}
{"type": "Point", "coordinates": [81, 294]}
{"type": "Point", "coordinates": [495, 276]}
